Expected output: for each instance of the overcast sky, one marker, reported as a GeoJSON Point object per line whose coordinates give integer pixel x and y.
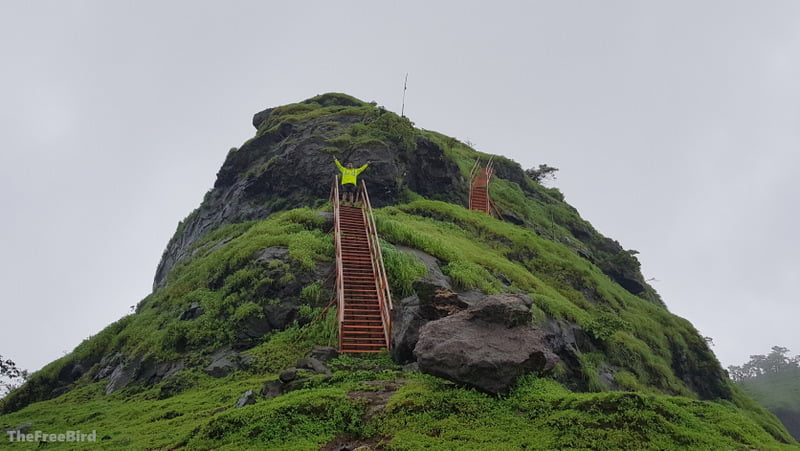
{"type": "Point", "coordinates": [675, 126]}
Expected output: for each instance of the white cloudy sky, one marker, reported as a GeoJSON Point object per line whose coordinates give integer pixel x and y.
{"type": "Point", "coordinates": [675, 125]}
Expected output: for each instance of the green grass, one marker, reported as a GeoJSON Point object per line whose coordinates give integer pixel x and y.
{"type": "Point", "coordinates": [540, 414]}
{"type": "Point", "coordinates": [634, 336]}
{"type": "Point", "coordinates": [401, 269]}
{"type": "Point", "coordinates": [482, 252]}
{"type": "Point", "coordinates": [424, 413]}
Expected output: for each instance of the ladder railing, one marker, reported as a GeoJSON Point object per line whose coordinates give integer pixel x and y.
{"type": "Point", "coordinates": [337, 230]}
{"type": "Point", "coordinates": [382, 282]}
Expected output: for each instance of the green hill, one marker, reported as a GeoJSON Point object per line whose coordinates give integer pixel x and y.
{"type": "Point", "coordinates": [780, 394]}
{"type": "Point", "coordinates": [773, 380]}
{"type": "Point", "coordinates": [241, 294]}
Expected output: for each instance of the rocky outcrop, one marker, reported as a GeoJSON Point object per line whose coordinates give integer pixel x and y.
{"type": "Point", "coordinates": [121, 371]}
{"type": "Point", "coordinates": [486, 346]}
{"type": "Point", "coordinates": [295, 377]}
{"type": "Point", "coordinates": [289, 164]}
{"type": "Point", "coordinates": [248, 398]}
{"type": "Point", "coordinates": [432, 302]}
{"type": "Point", "coordinates": [224, 361]}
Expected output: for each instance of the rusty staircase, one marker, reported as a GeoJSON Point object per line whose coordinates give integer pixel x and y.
{"type": "Point", "coordinates": [479, 187]}
{"type": "Point", "coordinates": [362, 291]}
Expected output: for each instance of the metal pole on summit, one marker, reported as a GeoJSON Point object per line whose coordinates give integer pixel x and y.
{"type": "Point", "coordinates": [403, 107]}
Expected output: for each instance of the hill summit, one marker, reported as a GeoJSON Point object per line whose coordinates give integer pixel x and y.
{"type": "Point", "coordinates": [527, 320]}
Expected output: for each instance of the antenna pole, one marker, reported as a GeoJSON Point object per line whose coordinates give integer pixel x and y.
{"type": "Point", "coordinates": [405, 86]}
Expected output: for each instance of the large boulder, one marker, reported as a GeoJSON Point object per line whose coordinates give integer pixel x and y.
{"type": "Point", "coordinates": [432, 302]}
{"type": "Point", "coordinates": [486, 346]}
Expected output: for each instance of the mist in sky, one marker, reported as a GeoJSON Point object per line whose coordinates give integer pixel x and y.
{"type": "Point", "coordinates": [675, 126]}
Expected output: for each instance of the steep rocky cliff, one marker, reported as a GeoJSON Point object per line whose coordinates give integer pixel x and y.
{"type": "Point", "coordinates": [288, 165]}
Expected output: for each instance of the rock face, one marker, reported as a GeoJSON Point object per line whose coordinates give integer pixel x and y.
{"type": "Point", "coordinates": [487, 346]}
{"type": "Point", "coordinates": [224, 361]}
{"type": "Point", "coordinates": [432, 302]}
{"type": "Point", "coordinates": [289, 164]}
{"type": "Point", "coordinates": [121, 371]}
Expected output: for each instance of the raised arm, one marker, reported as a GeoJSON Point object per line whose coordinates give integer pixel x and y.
{"type": "Point", "coordinates": [338, 165]}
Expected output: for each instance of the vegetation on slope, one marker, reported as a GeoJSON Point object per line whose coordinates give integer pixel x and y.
{"type": "Point", "coordinates": [647, 379]}
{"type": "Point", "coordinates": [420, 412]}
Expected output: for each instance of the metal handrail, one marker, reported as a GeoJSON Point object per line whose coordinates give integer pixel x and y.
{"type": "Point", "coordinates": [475, 175]}
{"type": "Point", "coordinates": [384, 291]}
{"type": "Point", "coordinates": [339, 265]}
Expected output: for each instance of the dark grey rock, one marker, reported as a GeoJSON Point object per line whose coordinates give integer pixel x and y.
{"type": "Point", "coordinates": [406, 321]}
{"type": "Point", "coordinates": [121, 376]}
{"type": "Point", "coordinates": [224, 361]}
{"type": "Point", "coordinates": [288, 375]}
{"type": "Point", "coordinates": [487, 356]}
{"type": "Point", "coordinates": [607, 378]}
{"type": "Point", "coordinates": [488, 345]}
{"type": "Point", "coordinates": [512, 217]}
{"type": "Point", "coordinates": [265, 256]}
{"type": "Point", "coordinates": [272, 389]}
{"type": "Point", "coordinates": [153, 373]}
{"type": "Point", "coordinates": [108, 364]}
{"type": "Point", "coordinates": [247, 399]}
{"type": "Point", "coordinates": [510, 310]}
{"type": "Point", "coordinates": [71, 372]}
{"type": "Point", "coordinates": [314, 365]}
{"type": "Point", "coordinates": [324, 353]}
{"type": "Point", "coordinates": [193, 312]}
{"type": "Point", "coordinates": [250, 329]}
{"type": "Point", "coordinates": [430, 303]}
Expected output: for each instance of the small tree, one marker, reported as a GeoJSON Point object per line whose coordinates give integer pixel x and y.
{"type": "Point", "coordinates": [11, 377]}
{"type": "Point", "coordinates": [542, 173]}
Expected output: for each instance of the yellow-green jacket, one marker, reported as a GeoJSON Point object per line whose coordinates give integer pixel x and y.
{"type": "Point", "coordinates": [349, 175]}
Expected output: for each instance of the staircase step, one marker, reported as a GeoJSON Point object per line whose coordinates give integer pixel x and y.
{"type": "Point", "coordinates": [365, 341]}
{"type": "Point", "coordinates": [366, 321]}
{"type": "Point", "coordinates": [362, 332]}
{"type": "Point", "coordinates": [351, 315]}
{"type": "Point", "coordinates": [360, 351]}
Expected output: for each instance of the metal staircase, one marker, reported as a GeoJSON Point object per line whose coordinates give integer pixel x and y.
{"type": "Point", "coordinates": [479, 187]}
{"type": "Point", "coordinates": [362, 291]}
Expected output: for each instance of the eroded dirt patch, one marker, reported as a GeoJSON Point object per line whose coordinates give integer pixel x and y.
{"type": "Point", "coordinates": [376, 398]}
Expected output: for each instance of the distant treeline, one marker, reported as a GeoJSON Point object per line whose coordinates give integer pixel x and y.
{"type": "Point", "coordinates": [775, 362]}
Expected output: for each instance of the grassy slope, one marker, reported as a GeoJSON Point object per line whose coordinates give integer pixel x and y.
{"type": "Point", "coordinates": [477, 252]}
{"type": "Point", "coordinates": [424, 413]}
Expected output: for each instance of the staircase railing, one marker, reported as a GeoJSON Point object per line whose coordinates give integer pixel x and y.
{"type": "Point", "coordinates": [337, 230]}
{"type": "Point", "coordinates": [477, 175]}
{"type": "Point", "coordinates": [472, 173]}
{"type": "Point", "coordinates": [382, 282]}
